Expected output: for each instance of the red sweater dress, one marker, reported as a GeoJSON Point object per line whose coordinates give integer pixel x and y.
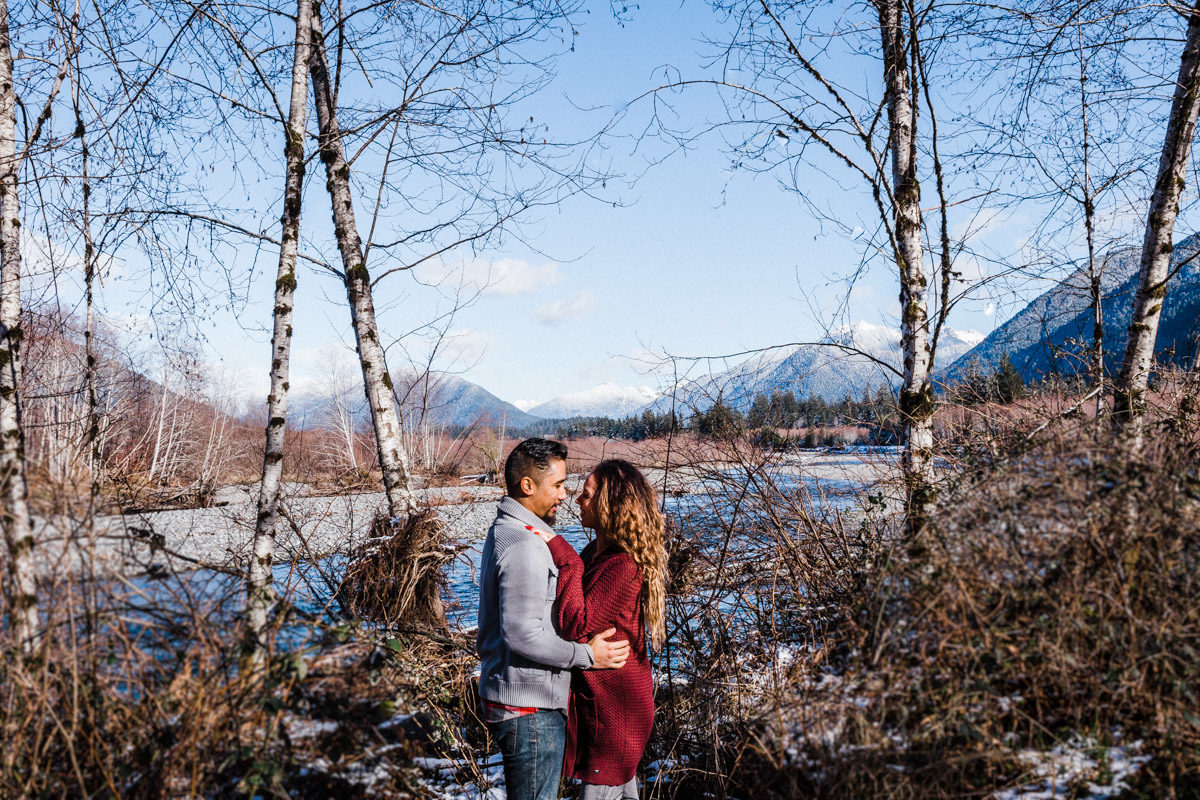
{"type": "Point", "coordinates": [612, 711]}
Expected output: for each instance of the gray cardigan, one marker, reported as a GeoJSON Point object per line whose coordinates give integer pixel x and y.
{"type": "Point", "coordinates": [524, 663]}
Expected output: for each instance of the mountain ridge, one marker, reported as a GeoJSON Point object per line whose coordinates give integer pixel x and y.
{"type": "Point", "coordinates": [603, 400]}
{"type": "Point", "coordinates": [1051, 335]}
{"type": "Point", "coordinates": [829, 369]}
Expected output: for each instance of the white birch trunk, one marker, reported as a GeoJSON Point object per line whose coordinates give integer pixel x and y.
{"type": "Point", "coordinates": [1095, 289]}
{"type": "Point", "coordinates": [916, 393]}
{"type": "Point", "coordinates": [162, 423]}
{"type": "Point", "coordinates": [393, 461]}
{"type": "Point", "coordinates": [14, 502]}
{"type": "Point", "coordinates": [260, 596]}
{"type": "Point", "coordinates": [1130, 392]}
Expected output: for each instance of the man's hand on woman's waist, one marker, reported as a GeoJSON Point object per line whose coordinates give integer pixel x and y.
{"type": "Point", "coordinates": [608, 654]}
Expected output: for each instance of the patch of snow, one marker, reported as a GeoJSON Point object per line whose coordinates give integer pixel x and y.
{"type": "Point", "coordinates": [302, 728]}
{"type": "Point", "coordinates": [445, 784]}
{"type": "Point", "coordinates": [1079, 764]}
{"type": "Point", "coordinates": [865, 336]}
{"type": "Point", "coordinates": [399, 719]}
{"type": "Point", "coordinates": [969, 337]}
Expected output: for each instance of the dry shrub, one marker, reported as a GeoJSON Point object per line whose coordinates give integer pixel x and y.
{"type": "Point", "coordinates": [1055, 597]}
{"type": "Point", "coordinates": [125, 698]}
{"type": "Point", "coordinates": [395, 576]}
{"type": "Point", "coordinates": [761, 563]}
{"type": "Point", "coordinates": [135, 691]}
{"type": "Point", "coordinates": [1058, 593]}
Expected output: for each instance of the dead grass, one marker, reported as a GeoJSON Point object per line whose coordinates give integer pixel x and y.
{"type": "Point", "coordinates": [1055, 597]}
{"type": "Point", "coordinates": [811, 652]}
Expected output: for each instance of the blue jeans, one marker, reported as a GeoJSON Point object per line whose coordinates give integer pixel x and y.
{"type": "Point", "coordinates": [532, 748]}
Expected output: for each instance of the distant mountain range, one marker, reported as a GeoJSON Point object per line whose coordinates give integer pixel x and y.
{"type": "Point", "coordinates": [1051, 335]}
{"type": "Point", "coordinates": [1047, 337]}
{"type": "Point", "coordinates": [448, 399]}
{"type": "Point", "coordinates": [849, 361]}
{"type": "Point", "coordinates": [605, 400]}
{"type": "Point", "coordinates": [457, 401]}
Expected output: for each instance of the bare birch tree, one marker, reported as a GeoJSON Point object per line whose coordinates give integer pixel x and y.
{"type": "Point", "coordinates": [259, 593]}
{"type": "Point", "coordinates": [21, 583]}
{"type": "Point", "coordinates": [393, 461]}
{"type": "Point", "coordinates": [1153, 271]}
{"type": "Point", "coordinates": [898, 33]}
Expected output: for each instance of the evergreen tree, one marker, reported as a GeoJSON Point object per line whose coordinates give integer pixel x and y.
{"type": "Point", "coordinates": [1009, 385]}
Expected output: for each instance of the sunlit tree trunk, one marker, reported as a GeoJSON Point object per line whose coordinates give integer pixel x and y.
{"type": "Point", "coordinates": [161, 427]}
{"type": "Point", "coordinates": [916, 393]}
{"type": "Point", "coordinates": [1130, 392]}
{"type": "Point", "coordinates": [259, 593]}
{"type": "Point", "coordinates": [92, 424]}
{"type": "Point", "coordinates": [393, 461]}
{"type": "Point", "coordinates": [1095, 274]}
{"type": "Point", "coordinates": [14, 502]}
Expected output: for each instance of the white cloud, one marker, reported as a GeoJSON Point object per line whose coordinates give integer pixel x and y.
{"type": "Point", "coordinates": [577, 305]}
{"type": "Point", "coordinates": [990, 309]}
{"type": "Point", "coordinates": [862, 295]}
{"type": "Point", "coordinates": [505, 277]}
{"type": "Point", "coordinates": [513, 276]}
{"type": "Point", "coordinates": [43, 257]}
{"type": "Point", "coordinates": [464, 348]}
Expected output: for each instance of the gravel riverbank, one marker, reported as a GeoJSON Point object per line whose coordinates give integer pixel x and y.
{"type": "Point", "coordinates": [318, 527]}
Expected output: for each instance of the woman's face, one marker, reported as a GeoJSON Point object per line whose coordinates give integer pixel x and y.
{"type": "Point", "coordinates": [587, 502]}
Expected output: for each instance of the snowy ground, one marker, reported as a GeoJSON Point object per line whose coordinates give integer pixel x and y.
{"type": "Point", "coordinates": [1077, 769]}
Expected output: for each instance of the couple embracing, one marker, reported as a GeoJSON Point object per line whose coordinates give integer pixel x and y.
{"type": "Point", "coordinates": [565, 675]}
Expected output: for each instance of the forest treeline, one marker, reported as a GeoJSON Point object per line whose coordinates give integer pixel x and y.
{"type": "Point", "coordinates": [784, 419]}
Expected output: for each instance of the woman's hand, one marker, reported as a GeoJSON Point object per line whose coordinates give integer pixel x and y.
{"type": "Point", "coordinates": [545, 536]}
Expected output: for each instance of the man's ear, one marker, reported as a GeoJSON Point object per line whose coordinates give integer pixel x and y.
{"type": "Point", "coordinates": [527, 485]}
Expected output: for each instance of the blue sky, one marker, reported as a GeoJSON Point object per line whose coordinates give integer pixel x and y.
{"type": "Point", "coordinates": [693, 258]}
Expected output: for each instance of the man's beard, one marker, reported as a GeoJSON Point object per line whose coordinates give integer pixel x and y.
{"type": "Point", "coordinates": [549, 516]}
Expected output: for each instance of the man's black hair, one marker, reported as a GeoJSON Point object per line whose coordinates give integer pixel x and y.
{"type": "Point", "coordinates": [529, 456]}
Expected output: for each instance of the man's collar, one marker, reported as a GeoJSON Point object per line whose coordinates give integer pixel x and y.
{"type": "Point", "coordinates": [514, 509]}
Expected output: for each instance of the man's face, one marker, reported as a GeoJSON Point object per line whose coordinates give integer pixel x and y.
{"type": "Point", "coordinates": [544, 491]}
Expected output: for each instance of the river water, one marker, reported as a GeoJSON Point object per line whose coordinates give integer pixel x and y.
{"type": "Point", "coordinates": [310, 586]}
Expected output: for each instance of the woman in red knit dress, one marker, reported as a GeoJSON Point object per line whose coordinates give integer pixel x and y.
{"type": "Point", "coordinates": [619, 582]}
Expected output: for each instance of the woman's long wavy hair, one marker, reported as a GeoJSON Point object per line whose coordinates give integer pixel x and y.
{"type": "Point", "coordinates": [627, 518]}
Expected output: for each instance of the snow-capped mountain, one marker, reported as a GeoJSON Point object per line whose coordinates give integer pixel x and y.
{"type": "Point", "coordinates": [446, 399]}
{"type": "Point", "coordinates": [1051, 334]}
{"type": "Point", "coordinates": [605, 400]}
{"type": "Point", "coordinates": [848, 361]}
{"type": "Point", "coordinates": [880, 340]}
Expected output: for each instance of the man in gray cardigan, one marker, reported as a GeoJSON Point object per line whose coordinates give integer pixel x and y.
{"type": "Point", "coordinates": [525, 669]}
